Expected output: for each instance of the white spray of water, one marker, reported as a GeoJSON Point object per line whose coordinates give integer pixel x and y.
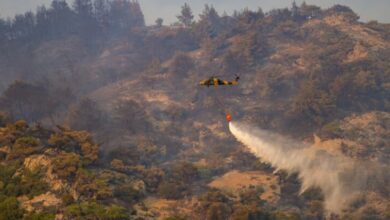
{"type": "Point", "coordinates": [315, 167]}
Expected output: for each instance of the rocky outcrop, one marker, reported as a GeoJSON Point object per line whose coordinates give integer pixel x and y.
{"type": "Point", "coordinates": [39, 202]}
{"type": "Point", "coordinates": [43, 162]}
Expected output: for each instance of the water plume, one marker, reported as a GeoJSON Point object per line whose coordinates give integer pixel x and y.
{"type": "Point", "coordinates": [336, 175]}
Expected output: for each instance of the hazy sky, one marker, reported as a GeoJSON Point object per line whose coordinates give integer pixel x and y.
{"type": "Point", "coordinates": [168, 9]}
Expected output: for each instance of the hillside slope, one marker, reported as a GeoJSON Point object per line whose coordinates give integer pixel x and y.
{"type": "Point", "coordinates": [118, 127]}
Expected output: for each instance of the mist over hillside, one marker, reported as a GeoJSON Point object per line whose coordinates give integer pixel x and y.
{"type": "Point", "coordinates": [102, 117]}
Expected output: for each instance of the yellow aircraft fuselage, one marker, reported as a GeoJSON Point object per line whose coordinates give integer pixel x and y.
{"type": "Point", "coordinates": [214, 81]}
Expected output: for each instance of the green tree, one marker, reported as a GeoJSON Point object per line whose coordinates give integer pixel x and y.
{"type": "Point", "coordinates": [60, 18]}
{"type": "Point", "coordinates": [127, 193]}
{"type": "Point", "coordinates": [116, 212]}
{"type": "Point", "coordinates": [215, 205]}
{"type": "Point", "coordinates": [185, 172]}
{"type": "Point", "coordinates": [83, 8]}
{"type": "Point", "coordinates": [23, 147]}
{"type": "Point", "coordinates": [159, 22]}
{"type": "Point", "coordinates": [66, 165]}
{"type": "Point", "coordinates": [137, 14]}
{"type": "Point", "coordinates": [171, 190]}
{"type": "Point", "coordinates": [186, 15]}
{"type": "Point", "coordinates": [10, 209]}
{"type": "Point", "coordinates": [125, 15]}
{"type": "Point", "coordinates": [93, 210]}
{"type": "Point", "coordinates": [348, 13]}
{"type": "Point", "coordinates": [39, 216]}
{"type": "Point", "coordinates": [314, 105]}
{"type": "Point", "coordinates": [209, 24]}
{"type": "Point", "coordinates": [217, 211]}
{"type": "Point", "coordinates": [85, 210]}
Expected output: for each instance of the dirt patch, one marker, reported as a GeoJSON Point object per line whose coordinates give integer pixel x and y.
{"type": "Point", "coordinates": [365, 120]}
{"type": "Point", "coordinates": [44, 200]}
{"type": "Point", "coordinates": [217, 130]}
{"type": "Point", "coordinates": [359, 53]}
{"type": "Point", "coordinates": [36, 161]}
{"type": "Point", "coordinates": [158, 96]}
{"type": "Point", "coordinates": [5, 149]}
{"type": "Point", "coordinates": [235, 181]}
{"type": "Point", "coordinates": [357, 31]}
{"type": "Point", "coordinates": [333, 147]}
{"type": "Point", "coordinates": [43, 162]}
{"type": "Point", "coordinates": [292, 55]}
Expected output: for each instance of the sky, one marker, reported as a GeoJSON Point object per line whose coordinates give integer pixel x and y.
{"type": "Point", "coordinates": [168, 9]}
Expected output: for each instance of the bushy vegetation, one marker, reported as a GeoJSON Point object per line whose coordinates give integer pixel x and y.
{"type": "Point", "coordinates": [53, 156]}
{"type": "Point", "coordinates": [10, 209]}
{"type": "Point", "coordinates": [92, 210]}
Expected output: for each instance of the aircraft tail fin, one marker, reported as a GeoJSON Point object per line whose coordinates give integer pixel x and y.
{"type": "Point", "coordinates": [235, 81]}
